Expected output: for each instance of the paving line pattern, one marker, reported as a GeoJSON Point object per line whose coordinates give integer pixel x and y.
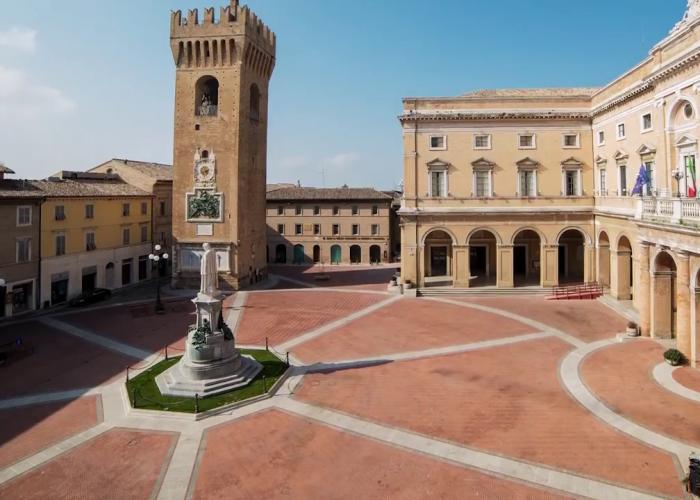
{"type": "Point", "coordinates": [663, 374]}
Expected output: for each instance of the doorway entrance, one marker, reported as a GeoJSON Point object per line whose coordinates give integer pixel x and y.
{"type": "Point", "coordinates": [438, 261]}
{"type": "Point", "coordinates": [526, 258]}
{"type": "Point", "coordinates": [482, 258]}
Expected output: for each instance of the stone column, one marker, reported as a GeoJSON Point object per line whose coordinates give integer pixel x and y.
{"type": "Point", "coordinates": [504, 263]}
{"type": "Point", "coordinates": [549, 265]}
{"type": "Point", "coordinates": [683, 303]}
{"type": "Point", "coordinates": [644, 290]}
{"type": "Point", "coordinates": [420, 258]}
{"type": "Point", "coordinates": [661, 300]}
{"type": "Point", "coordinates": [588, 263]}
{"type": "Point", "coordinates": [695, 328]}
{"type": "Point", "coordinates": [620, 276]}
{"type": "Point", "coordinates": [461, 266]}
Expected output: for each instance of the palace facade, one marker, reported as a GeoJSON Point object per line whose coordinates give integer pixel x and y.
{"type": "Point", "coordinates": [536, 187]}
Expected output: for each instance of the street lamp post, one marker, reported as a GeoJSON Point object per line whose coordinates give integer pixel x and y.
{"type": "Point", "coordinates": [158, 258]}
{"type": "Point", "coordinates": [678, 175]}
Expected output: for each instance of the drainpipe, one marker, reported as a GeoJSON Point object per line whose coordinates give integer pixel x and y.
{"type": "Point", "coordinates": [415, 190]}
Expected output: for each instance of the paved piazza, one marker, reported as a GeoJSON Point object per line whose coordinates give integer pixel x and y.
{"type": "Point", "coordinates": [389, 397]}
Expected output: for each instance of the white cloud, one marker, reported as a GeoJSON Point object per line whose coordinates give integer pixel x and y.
{"type": "Point", "coordinates": [19, 38]}
{"type": "Point", "coordinates": [20, 97]}
{"type": "Point", "coordinates": [294, 162]}
{"type": "Point", "coordinates": [341, 161]}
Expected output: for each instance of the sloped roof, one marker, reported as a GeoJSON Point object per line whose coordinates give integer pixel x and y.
{"type": "Point", "coordinates": [157, 171]}
{"type": "Point", "coordinates": [5, 170]}
{"type": "Point", "coordinates": [19, 188]}
{"type": "Point", "coordinates": [321, 194]}
{"type": "Point", "coordinates": [534, 92]}
{"type": "Point", "coordinates": [272, 187]}
{"type": "Point", "coordinates": [65, 188]}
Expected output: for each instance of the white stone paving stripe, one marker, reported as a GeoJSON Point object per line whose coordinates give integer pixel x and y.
{"type": "Point", "coordinates": [426, 353]}
{"type": "Point", "coordinates": [52, 452]}
{"type": "Point", "coordinates": [663, 374]}
{"type": "Point", "coordinates": [112, 345]}
{"type": "Point", "coordinates": [571, 378]}
{"type": "Point", "coordinates": [47, 397]}
{"type": "Point", "coordinates": [517, 317]}
{"type": "Point", "coordinates": [549, 478]}
{"type": "Point", "coordinates": [236, 312]}
{"type": "Point", "coordinates": [287, 346]}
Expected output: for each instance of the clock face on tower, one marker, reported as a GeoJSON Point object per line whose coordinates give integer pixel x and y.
{"type": "Point", "coordinates": [205, 172]}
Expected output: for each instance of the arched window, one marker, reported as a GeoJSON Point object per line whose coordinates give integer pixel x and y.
{"type": "Point", "coordinates": [254, 102]}
{"type": "Point", "coordinates": [206, 96]}
{"type": "Point", "coordinates": [205, 154]}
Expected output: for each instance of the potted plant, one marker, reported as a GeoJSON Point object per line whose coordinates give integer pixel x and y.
{"type": "Point", "coordinates": [673, 357]}
{"type": "Point", "coordinates": [632, 329]}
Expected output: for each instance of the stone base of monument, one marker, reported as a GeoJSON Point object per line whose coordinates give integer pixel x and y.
{"type": "Point", "coordinates": [211, 364]}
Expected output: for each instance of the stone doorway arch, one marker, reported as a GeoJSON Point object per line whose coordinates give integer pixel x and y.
{"type": "Point", "coordinates": [663, 296]}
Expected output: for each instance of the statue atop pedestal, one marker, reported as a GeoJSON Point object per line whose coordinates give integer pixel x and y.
{"type": "Point", "coordinates": [211, 364]}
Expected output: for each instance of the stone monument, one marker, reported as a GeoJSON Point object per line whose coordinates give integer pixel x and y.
{"type": "Point", "coordinates": [211, 363]}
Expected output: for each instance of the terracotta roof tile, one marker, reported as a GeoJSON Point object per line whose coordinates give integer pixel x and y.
{"type": "Point", "coordinates": [320, 194]}
{"type": "Point", "coordinates": [534, 92]}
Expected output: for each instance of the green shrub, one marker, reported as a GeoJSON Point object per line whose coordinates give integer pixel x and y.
{"type": "Point", "coordinates": [674, 356]}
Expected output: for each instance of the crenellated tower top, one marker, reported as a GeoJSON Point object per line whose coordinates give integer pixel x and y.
{"type": "Point", "coordinates": [237, 35]}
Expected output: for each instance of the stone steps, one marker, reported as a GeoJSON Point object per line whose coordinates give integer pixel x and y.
{"type": "Point", "coordinates": [451, 292]}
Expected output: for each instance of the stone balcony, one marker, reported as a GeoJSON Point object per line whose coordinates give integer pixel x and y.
{"type": "Point", "coordinates": [497, 204]}
{"type": "Point", "coordinates": [661, 209]}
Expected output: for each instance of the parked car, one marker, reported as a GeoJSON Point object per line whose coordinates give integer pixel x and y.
{"type": "Point", "coordinates": [91, 297]}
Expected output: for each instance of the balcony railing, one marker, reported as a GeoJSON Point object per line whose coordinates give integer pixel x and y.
{"type": "Point", "coordinates": [673, 210]}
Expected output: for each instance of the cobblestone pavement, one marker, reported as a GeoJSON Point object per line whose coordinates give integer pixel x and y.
{"type": "Point", "coordinates": [388, 397]}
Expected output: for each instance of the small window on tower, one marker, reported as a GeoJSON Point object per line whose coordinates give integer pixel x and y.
{"type": "Point", "coordinates": [206, 96]}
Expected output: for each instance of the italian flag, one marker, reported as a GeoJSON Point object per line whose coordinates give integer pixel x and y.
{"type": "Point", "coordinates": [690, 173]}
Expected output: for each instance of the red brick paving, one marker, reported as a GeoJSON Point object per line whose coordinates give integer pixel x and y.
{"type": "Point", "coordinates": [362, 277]}
{"type": "Point", "coordinates": [120, 463]}
{"type": "Point", "coordinates": [303, 459]}
{"type": "Point", "coordinates": [138, 325]}
{"type": "Point", "coordinates": [689, 377]}
{"type": "Point", "coordinates": [621, 376]}
{"type": "Point", "coordinates": [60, 362]}
{"type": "Point", "coordinates": [30, 429]}
{"type": "Point", "coordinates": [282, 316]}
{"type": "Point", "coordinates": [506, 400]}
{"type": "Point", "coordinates": [408, 325]}
{"type": "Point", "coordinates": [588, 320]}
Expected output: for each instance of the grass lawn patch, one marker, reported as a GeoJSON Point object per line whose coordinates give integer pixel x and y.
{"type": "Point", "coordinates": [148, 396]}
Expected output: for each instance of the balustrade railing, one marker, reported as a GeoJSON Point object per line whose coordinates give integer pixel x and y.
{"type": "Point", "coordinates": [674, 209]}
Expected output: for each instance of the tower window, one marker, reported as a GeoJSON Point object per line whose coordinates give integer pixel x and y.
{"type": "Point", "coordinates": [205, 154]}
{"type": "Point", "coordinates": [206, 96]}
{"type": "Point", "coordinates": [254, 102]}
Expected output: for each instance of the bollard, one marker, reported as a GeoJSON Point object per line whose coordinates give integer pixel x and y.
{"type": "Point", "coordinates": [266, 346]}
{"type": "Point", "coordinates": [166, 353]}
{"type": "Point", "coordinates": [196, 403]}
{"type": "Point", "coordinates": [127, 373]}
{"type": "Point", "coordinates": [287, 358]}
{"type": "Point", "coordinates": [264, 385]}
{"type": "Point", "coordinates": [133, 396]}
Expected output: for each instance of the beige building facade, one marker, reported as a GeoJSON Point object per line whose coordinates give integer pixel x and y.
{"type": "Point", "coordinates": [328, 225]}
{"type": "Point", "coordinates": [223, 67]}
{"type": "Point", "coordinates": [537, 187]}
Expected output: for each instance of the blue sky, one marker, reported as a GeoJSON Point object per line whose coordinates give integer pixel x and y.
{"type": "Point", "coordinates": [84, 81]}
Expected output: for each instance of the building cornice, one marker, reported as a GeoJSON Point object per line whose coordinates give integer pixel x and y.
{"type": "Point", "coordinates": [443, 116]}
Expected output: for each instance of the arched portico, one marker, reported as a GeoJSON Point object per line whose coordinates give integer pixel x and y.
{"type": "Point", "coordinates": [527, 245]}
{"type": "Point", "coordinates": [571, 261]}
{"type": "Point", "coordinates": [622, 281]}
{"type": "Point", "coordinates": [695, 320]}
{"type": "Point", "coordinates": [663, 296]}
{"type": "Point", "coordinates": [437, 262]}
{"type": "Point", "coordinates": [483, 260]}
{"type": "Point", "coordinates": [604, 259]}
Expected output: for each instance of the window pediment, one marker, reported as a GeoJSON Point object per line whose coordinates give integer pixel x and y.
{"type": "Point", "coordinates": [621, 155]}
{"type": "Point", "coordinates": [645, 150]}
{"type": "Point", "coordinates": [438, 164]}
{"type": "Point", "coordinates": [600, 161]}
{"type": "Point", "coordinates": [483, 164]}
{"type": "Point", "coordinates": [686, 141]}
{"type": "Point", "coordinates": [527, 163]}
{"type": "Point", "coordinates": [572, 163]}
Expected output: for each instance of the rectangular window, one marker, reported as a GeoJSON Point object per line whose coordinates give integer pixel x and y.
{"type": "Point", "coordinates": [526, 141]}
{"type": "Point", "coordinates": [649, 187]}
{"type": "Point", "coordinates": [317, 210]}
{"type": "Point", "coordinates": [162, 208]}
{"type": "Point", "coordinates": [528, 183]}
{"type": "Point", "coordinates": [144, 234]}
{"type": "Point", "coordinates": [355, 210]}
{"type": "Point", "coordinates": [59, 212]}
{"type": "Point", "coordinates": [60, 244]}
{"type": "Point", "coordinates": [336, 210]}
{"type": "Point", "coordinates": [375, 210]}
{"type": "Point", "coordinates": [126, 236]}
{"type": "Point", "coordinates": [143, 267]}
{"type": "Point", "coordinates": [571, 182]}
{"type": "Point", "coordinates": [24, 250]}
{"type": "Point", "coordinates": [482, 141]}
{"type": "Point", "coordinates": [126, 271]}
{"type": "Point", "coordinates": [336, 229]}
{"type": "Point", "coordinates": [90, 242]}
{"type": "Point", "coordinates": [621, 131]}
{"type": "Point", "coordinates": [24, 216]}
{"type": "Point", "coordinates": [355, 229]}
{"type": "Point", "coordinates": [317, 229]}
{"type": "Point", "coordinates": [280, 210]}
{"type": "Point", "coordinates": [375, 229]}
{"type": "Point", "coordinates": [623, 180]}
{"type": "Point", "coordinates": [438, 142]}
{"type": "Point", "coordinates": [603, 183]}
{"type": "Point", "coordinates": [144, 208]}
{"type": "Point", "coordinates": [482, 184]}
{"type": "Point", "coordinates": [601, 138]}
{"type": "Point", "coordinates": [280, 228]}
{"type": "Point", "coordinates": [646, 122]}
{"type": "Point", "coordinates": [126, 209]}
{"type": "Point", "coordinates": [298, 210]}
{"type": "Point", "coordinates": [437, 183]}
{"type": "Point", "coordinates": [89, 211]}
{"type": "Point", "coordinates": [570, 140]}
{"type": "Point", "coordinates": [298, 229]}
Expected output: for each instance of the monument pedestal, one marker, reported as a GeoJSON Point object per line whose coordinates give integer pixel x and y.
{"type": "Point", "coordinates": [211, 364]}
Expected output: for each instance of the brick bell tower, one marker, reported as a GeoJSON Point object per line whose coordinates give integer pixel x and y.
{"type": "Point", "coordinates": [223, 69]}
